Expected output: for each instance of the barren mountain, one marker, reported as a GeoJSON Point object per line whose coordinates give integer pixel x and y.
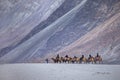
{"type": "Point", "coordinates": [104, 39]}
{"type": "Point", "coordinates": [31, 31]}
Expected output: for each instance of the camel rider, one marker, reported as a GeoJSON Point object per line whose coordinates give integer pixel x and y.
{"type": "Point", "coordinates": [75, 57]}
{"type": "Point", "coordinates": [66, 56]}
{"type": "Point", "coordinates": [89, 57]}
{"type": "Point", "coordinates": [82, 57]}
{"type": "Point", "coordinates": [98, 55]}
{"type": "Point", "coordinates": [57, 56]}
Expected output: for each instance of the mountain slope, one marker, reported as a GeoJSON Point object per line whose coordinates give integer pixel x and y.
{"type": "Point", "coordinates": [27, 49]}
{"type": "Point", "coordinates": [62, 25]}
{"type": "Point", "coordinates": [18, 18]}
{"type": "Point", "coordinates": [104, 39]}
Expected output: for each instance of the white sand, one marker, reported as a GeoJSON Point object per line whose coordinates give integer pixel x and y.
{"type": "Point", "coordinates": [59, 72]}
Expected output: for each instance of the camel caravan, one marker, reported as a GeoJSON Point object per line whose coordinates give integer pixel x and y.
{"type": "Point", "coordinates": [82, 59]}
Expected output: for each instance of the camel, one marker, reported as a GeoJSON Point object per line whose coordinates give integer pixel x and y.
{"type": "Point", "coordinates": [98, 59]}
{"type": "Point", "coordinates": [54, 60]}
{"type": "Point", "coordinates": [68, 59]}
{"type": "Point", "coordinates": [75, 59]}
{"type": "Point", "coordinates": [63, 60]}
{"type": "Point", "coordinates": [91, 59]}
{"type": "Point", "coordinates": [83, 60]}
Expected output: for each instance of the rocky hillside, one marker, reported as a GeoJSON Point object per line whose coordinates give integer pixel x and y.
{"type": "Point", "coordinates": [33, 30]}
{"type": "Point", "coordinates": [104, 39]}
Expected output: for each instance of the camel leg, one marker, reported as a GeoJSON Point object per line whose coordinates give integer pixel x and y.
{"type": "Point", "coordinates": [80, 62]}
{"type": "Point", "coordinates": [95, 62]}
{"type": "Point", "coordinates": [92, 62]}
{"type": "Point", "coordinates": [102, 62]}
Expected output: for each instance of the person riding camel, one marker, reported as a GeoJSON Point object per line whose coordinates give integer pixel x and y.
{"type": "Point", "coordinates": [90, 57]}
{"type": "Point", "coordinates": [75, 57]}
{"type": "Point", "coordinates": [97, 56]}
{"type": "Point", "coordinates": [81, 57]}
{"type": "Point", "coordinates": [66, 56]}
{"type": "Point", "coordinates": [57, 56]}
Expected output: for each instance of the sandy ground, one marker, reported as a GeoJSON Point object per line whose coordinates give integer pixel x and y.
{"type": "Point", "coordinates": [59, 72]}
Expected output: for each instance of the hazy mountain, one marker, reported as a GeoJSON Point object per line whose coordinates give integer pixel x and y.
{"type": "Point", "coordinates": [59, 26]}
